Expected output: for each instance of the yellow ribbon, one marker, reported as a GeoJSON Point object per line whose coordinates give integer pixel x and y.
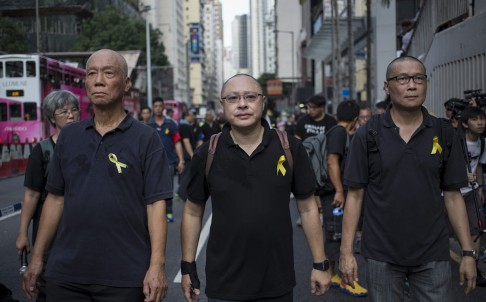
{"type": "Point", "coordinates": [167, 131]}
{"type": "Point", "coordinates": [280, 166]}
{"type": "Point", "coordinates": [119, 165]}
{"type": "Point", "coordinates": [435, 146]}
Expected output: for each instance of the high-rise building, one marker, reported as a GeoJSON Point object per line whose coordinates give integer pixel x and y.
{"type": "Point", "coordinates": [241, 44]}
{"type": "Point", "coordinates": [262, 24]}
{"type": "Point", "coordinates": [167, 16]}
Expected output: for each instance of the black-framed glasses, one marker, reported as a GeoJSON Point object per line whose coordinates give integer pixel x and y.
{"type": "Point", "coordinates": [404, 79]}
{"type": "Point", "coordinates": [250, 97]}
{"type": "Point", "coordinates": [65, 112]}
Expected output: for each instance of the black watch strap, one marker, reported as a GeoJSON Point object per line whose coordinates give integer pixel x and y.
{"type": "Point", "coordinates": [321, 266]}
{"type": "Point", "coordinates": [471, 253]}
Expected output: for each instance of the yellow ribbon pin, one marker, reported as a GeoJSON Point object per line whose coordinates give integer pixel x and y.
{"type": "Point", "coordinates": [280, 166]}
{"type": "Point", "coordinates": [167, 131]}
{"type": "Point", "coordinates": [435, 146]}
{"type": "Point", "coordinates": [119, 165]}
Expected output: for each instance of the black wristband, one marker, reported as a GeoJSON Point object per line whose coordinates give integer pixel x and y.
{"type": "Point", "coordinates": [188, 267]}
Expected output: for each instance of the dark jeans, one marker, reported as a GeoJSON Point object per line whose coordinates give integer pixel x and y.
{"type": "Point", "coordinates": [428, 282]}
{"type": "Point", "coordinates": [288, 297]}
{"type": "Point", "coordinates": [73, 292]}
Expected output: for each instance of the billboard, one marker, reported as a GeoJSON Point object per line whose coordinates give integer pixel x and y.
{"type": "Point", "coordinates": [195, 42]}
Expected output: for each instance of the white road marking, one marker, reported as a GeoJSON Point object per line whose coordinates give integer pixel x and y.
{"type": "Point", "coordinates": [203, 237]}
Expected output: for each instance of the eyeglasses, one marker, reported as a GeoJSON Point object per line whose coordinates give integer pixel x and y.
{"type": "Point", "coordinates": [404, 79]}
{"type": "Point", "coordinates": [65, 112]}
{"type": "Point", "coordinates": [233, 99]}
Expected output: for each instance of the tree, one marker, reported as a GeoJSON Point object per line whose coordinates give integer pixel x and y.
{"type": "Point", "coordinates": [111, 29]}
{"type": "Point", "coordinates": [12, 38]}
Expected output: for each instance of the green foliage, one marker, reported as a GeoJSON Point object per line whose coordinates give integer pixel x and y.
{"type": "Point", "coordinates": [12, 38]}
{"type": "Point", "coordinates": [111, 29]}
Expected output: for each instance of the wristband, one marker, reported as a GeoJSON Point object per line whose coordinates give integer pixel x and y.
{"type": "Point", "coordinates": [189, 268]}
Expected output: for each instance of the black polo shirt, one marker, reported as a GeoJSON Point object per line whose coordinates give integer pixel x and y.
{"type": "Point", "coordinates": [250, 252]}
{"type": "Point", "coordinates": [404, 212]}
{"type": "Point", "coordinates": [107, 183]}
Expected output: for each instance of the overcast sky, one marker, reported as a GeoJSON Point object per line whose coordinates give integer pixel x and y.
{"type": "Point", "coordinates": [232, 8]}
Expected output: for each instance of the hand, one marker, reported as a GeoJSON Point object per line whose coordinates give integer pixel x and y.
{"type": "Point", "coordinates": [180, 167]}
{"type": "Point", "coordinates": [471, 177]}
{"type": "Point", "coordinates": [320, 282]}
{"type": "Point", "coordinates": [154, 284]}
{"type": "Point", "coordinates": [467, 272]}
{"type": "Point", "coordinates": [21, 245]}
{"type": "Point", "coordinates": [29, 284]}
{"type": "Point", "coordinates": [338, 200]}
{"type": "Point", "coordinates": [348, 268]}
{"type": "Point", "coordinates": [191, 294]}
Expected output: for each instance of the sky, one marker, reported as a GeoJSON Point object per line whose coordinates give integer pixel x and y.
{"type": "Point", "coordinates": [232, 8]}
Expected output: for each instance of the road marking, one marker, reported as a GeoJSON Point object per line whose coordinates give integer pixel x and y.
{"type": "Point", "coordinates": [203, 237]}
{"type": "Point", "coordinates": [10, 211]}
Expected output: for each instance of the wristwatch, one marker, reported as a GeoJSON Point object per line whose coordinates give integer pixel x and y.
{"type": "Point", "coordinates": [321, 266]}
{"type": "Point", "coordinates": [471, 253]}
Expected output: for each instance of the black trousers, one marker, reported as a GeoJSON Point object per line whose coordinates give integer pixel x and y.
{"type": "Point", "coordinates": [73, 292]}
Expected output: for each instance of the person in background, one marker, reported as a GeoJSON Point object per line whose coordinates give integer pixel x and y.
{"type": "Point", "coordinates": [380, 107]}
{"type": "Point", "coordinates": [315, 122]}
{"type": "Point", "coordinates": [406, 34]}
{"type": "Point", "coordinates": [364, 116]}
{"type": "Point", "coordinates": [210, 126]}
{"type": "Point", "coordinates": [60, 108]}
{"type": "Point", "coordinates": [397, 172]}
{"type": "Point", "coordinates": [250, 261]}
{"type": "Point", "coordinates": [171, 140]}
{"type": "Point", "coordinates": [191, 138]}
{"type": "Point", "coordinates": [474, 122]}
{"type": "Point", "coordinates": [145, 115]}
{"type": "Point", "coordinates": [290, 125]}
{"type": "Point", "coordinates": [108, 182]}
{"type": "Point", "coordinates": [338, 139]}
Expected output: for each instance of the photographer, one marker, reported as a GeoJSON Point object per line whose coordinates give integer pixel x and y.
{"type": "Point", "coordinates": [473, 121]}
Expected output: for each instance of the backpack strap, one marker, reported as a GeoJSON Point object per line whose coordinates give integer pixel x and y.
{"type": "Point", "coordinates": [373, 134]}
{"type": "Point", "coordinates": [213, 143]}
{"type": "Point", "coordinates": [47, 152]}
{"type": "Point", "coordinates": [284, 141]}
{"type": "Point", "coordinates": [481, 139]}
{"type": "Point", "coordinates": [282, 136]}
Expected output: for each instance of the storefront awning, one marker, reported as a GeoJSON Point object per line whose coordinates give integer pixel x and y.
{"type": "Point", "coordinates": [320, 46]}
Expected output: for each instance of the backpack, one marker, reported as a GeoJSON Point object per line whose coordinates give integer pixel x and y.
{"type": "Point", "coordinates": [282, 135]}
{"type": "Point", "coordinates": [317, 152]}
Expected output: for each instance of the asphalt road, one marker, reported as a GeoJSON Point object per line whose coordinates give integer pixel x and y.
{"type": "Point", "coordinates": [11, 192]}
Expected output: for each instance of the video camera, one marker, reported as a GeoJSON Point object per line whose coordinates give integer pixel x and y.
{"type": "Point", "coordinates": [471, 98]}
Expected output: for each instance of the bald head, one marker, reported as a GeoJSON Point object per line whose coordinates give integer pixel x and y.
{"type": "Point", "coordinates": [391, 66]}
{"type": "Point", "coordinates": [121, 62]}
{"type": "Point", "coordinates": [238, 76]}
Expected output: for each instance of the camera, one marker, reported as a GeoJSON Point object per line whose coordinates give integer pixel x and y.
{"type": "Point", "coordinates": [472, 98]}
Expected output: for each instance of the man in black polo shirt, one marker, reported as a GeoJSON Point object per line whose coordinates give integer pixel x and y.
{"type": "Point", "coordinates": [401, 176]}
{"type": "Point", "coordinates": [107, 184]}
{"type": "Point", "coordinates": [250, 250]}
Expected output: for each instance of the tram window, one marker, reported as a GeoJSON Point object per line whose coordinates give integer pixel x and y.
{"type": "Point", "coordinates": [30, 68]}
{"type": "Point", "coordinates": [15, 69]}
{"type": "Point", "coordinates": [3, 112]}
{"type": "Point", "coordinates": [30, 112]}
{"type": "Point", "coordinates": [1, 69]}
{"type": "Point", "coordinates": [15, 112]}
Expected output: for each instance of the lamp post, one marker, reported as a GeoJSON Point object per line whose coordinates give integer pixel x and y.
{"type": "Point", "coordinates": [292, 50]}
{"type": "Point", "coordinates": [146, 9]}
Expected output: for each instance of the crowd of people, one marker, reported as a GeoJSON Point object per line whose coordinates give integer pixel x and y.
{"type": "Point", "coordinates": [107, 189]}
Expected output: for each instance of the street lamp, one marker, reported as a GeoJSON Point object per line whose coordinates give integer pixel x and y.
{"type": "Point", "coordinates": [292, 50]}
{"type": "Point", "coordinates": [146, 9]}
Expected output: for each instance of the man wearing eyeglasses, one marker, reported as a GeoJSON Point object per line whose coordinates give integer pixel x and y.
{"type": "Point", "coordinates": [399, 175]}
{"type": "Point", "coordinates": [250, 250]}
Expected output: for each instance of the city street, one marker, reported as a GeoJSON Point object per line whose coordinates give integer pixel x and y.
{"type": "Point", "coordinates": [11, 191]}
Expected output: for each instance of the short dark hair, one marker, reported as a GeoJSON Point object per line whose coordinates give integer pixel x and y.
{"type": "Point", "coordinates": [317, 100]}
{"type": "Point", "coordinates": [146, 107]}
{"type": "Point", "coordinates": [381, 105]}
{"type": "Point", "coordinates": [158, 99]}
{"type": "Point", "coordinates": [472, 112]}
{"type": "Point", "coordinates": [347, 111]}
{"type": "Point", "coordinates": [402, 59]}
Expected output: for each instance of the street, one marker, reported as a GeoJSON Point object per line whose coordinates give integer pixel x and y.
{"type": "Point", "coordinates": [11, 192]}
